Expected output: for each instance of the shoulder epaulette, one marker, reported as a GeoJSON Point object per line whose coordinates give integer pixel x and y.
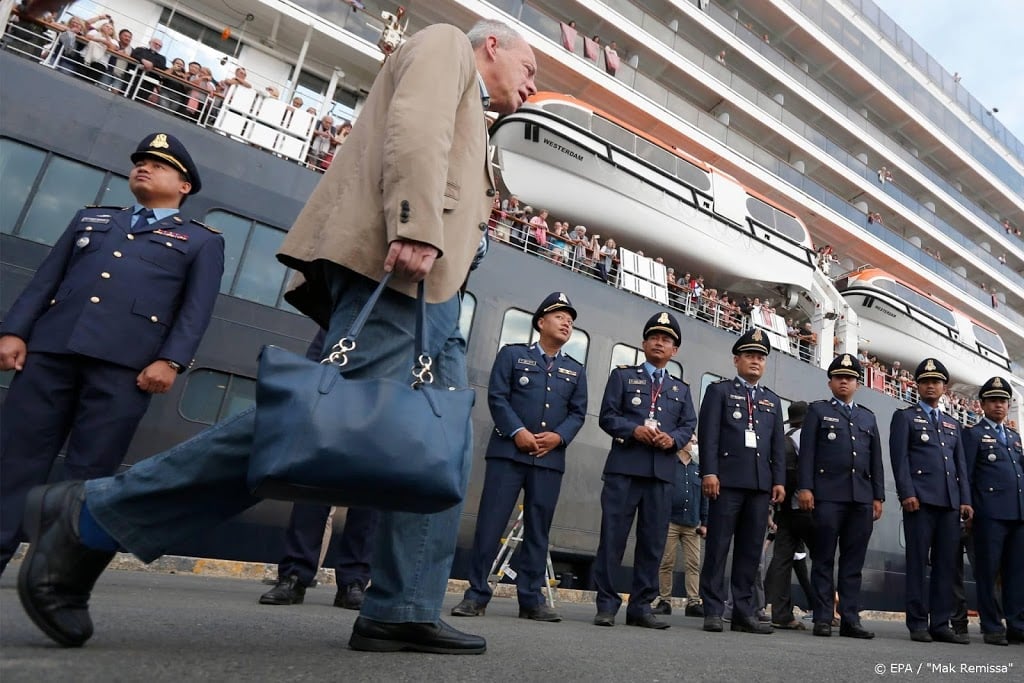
{"type": "Point", "coordinates": [624, 367]}
{"type": "Point", "coordinates": [573, 359]}
{"type": "Point", "coordinates": [517, 344]}
{"type": "Point", "coordinates": [865, 408]}
{"type": "Point", "coordinates": [215, 231]}
{"type": "Point", "coordinates": [104, 206]}
{"type": "Point", "coordinates": [766, 389]}
{"type": "Point", "coordinates": [723, 380]}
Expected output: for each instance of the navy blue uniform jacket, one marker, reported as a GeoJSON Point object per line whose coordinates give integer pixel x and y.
{"type": "Point", "coordinates": [123, 295]}
{"type": "Point", "coordinates": [523, 393]}
{"type": "Point", "coordinates": [996, 472]}
{"type": "Point", "coordinates": [724, 416]}
{"type": "Point", "coordinates": [840, 456]}
{"type": "Point", "coordinates": [927, 463]}
{"type": "Point", "coordinates": [626, 404]}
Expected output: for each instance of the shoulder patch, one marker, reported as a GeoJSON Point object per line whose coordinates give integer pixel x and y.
{"type": "Point", "coordinates": [215, 231]}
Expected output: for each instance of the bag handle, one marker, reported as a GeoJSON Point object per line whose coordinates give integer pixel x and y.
{"type": "Point", "coordinates": [423, 362]}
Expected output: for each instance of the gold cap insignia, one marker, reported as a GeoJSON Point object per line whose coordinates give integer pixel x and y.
{"type": "Point", "coordinates": [929, 366]}
{"type": "Point", "coordinates": [846, 362]}
{"type": "Point", "coordinates": [663, 319]}
{"type": "Point", "coordinates": [160, 141]}
{"type": "Point", "coordinates": [757, 335]}
{"type": "Point", "coordinates": [996, 383]}
{"type": "Point", "coordinates": [562, 298]}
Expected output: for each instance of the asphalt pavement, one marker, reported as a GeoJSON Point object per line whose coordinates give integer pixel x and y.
{"type": "Point", "coordinates": [153, 627]}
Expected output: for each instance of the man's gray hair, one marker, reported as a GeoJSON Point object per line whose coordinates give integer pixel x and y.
{"type": "Point", "coordinates": [505, 34]}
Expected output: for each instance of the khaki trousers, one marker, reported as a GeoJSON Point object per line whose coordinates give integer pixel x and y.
{"type": "Point", "coordinates": [685, 536]}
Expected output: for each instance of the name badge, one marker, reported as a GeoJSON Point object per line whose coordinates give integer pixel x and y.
{"type": "Point", "coordinates": [637, 381]}
{"type": "Point", "coordinates": [95, 219]}
{"type": "Point", "coordinates": [826, 418]}
{"type": "Point", "coordinates": [526, 361]}
{"type": "Point", "coordinates": [750, 438]}
{"type": "Point", "coordinates": [651, 423]}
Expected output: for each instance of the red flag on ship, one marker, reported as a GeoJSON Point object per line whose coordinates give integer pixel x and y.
{"type": "Point", "coordinates": [611, 60]}
{"type": "Point", "coordinates": [589, 49]}
{"type": "Point", "coordinates": [568, 37]}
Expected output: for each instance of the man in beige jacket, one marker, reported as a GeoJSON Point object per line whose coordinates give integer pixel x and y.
{"type": "Point", "coordinates": [409, 193]}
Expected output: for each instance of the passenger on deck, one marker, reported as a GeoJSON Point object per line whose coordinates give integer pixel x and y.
{"type": "Point", "coordinates": [151, 64]}
{"type": "Point", "coordinates": [608, 257]}
{"type": "Point", "coordinates": [94, 54]}
{"type": "Point", "coordinates": [118, 71]}
{"type": "Point", "coordinates": [539, 232]}
{"type": "Point", "coordinates": [238, 79]}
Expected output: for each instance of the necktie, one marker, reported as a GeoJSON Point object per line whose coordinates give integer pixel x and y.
{"type": "Point", "coordinates": [1001, 433]}
{"type": "Point", "coordinates": [549, 361]}
{"type": "Point", "coordinates": [935, 418]}
{"type": "Point", "coordinates": [657, 379]}
{"type": "Point", "coordinates": [143, 218]}
{"type": "Point", "coordinates": [849, 410]}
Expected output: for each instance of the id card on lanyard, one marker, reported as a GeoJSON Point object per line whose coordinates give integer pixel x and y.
{"type": "Point", "coordinates": [750, 436]}
{"type": "Point", "coordinates": [651, 422]}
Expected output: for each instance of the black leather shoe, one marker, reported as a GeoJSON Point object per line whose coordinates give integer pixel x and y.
{"type": "Point", "coordinates": [959, 628]}
{"type": "Point", "coordinates": [1014, 636]}
{"type": "Point", "coordinates": [349, 597]}
{"type": "Point", "coordinates": [468, 608]}
{"type": "Point", "coordinates": [946, 635]}
{"type": "Point", "coordinates": [439, 638]}
{"type": "Point", "coordinates": [921, 636]}
{"type": "Point", "coordinates": [749, 625]}
{"type": "Point", "coordinates": [604, 619]}
{"type": "Point", "coordinates": [855, 631]}
{"type": "Point", "coordinates": [823, 629]}
{"type": "Point", "coordinates": [662, 607]}
{"type": "Point", "coordinates": [646, 620]}
{"type": "Point", "coordinates": [58, 572]}
{"type": "Point", "coordinates": [995, 639]}
{"type": "Point", "coordinates": [695, 610]}
{"type": "Point", "coordinates": [288, 591]}
{"type": "Point", "coordinates": [791, 625]}
{"type": "Point", "coordinates": [539, 613]}
{"type": "Point", "coordinates": [713, 623]}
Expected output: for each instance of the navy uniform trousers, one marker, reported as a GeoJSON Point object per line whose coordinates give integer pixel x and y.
{"type": "Point", "coordinates": [305, 535]}
{"type": "Point", "coordinates": [503, 480]}
{"type": "Point", "coordinates": [959, 619]}
{"type": "Point", "coordinates": [622, 497]}
{"type": "Point", "coordinates": [740, 514]}
{"type": "Point", "coordinates": [95, 401]}
{"type": "Point", "coordinates": [937, 529]}
{"type": "Point", "coordinates": [846, 526]}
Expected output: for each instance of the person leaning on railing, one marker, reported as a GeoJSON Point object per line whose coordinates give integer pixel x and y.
{"type": "Point", "coordinates": [100, 39]}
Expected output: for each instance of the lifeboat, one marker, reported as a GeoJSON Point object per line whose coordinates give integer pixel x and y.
{"type": "Point", "coordinates": [577, 161]}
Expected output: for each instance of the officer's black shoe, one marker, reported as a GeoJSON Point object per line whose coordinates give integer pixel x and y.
{"type": "Point", "coordinates": [946, 635]}
{"type": "Point", "coordinates": [960, 628]}
{"type": "Point", "coordinates": [713, 623]}
{"type": "Point", "coordinates": [921, 636]}
{"type": "Point", "coordinates": [855, 631]}
{"type": "Point", "coordinates": [823, 629]}
{"type": "Point", "coordinates": [288, 591]}
{"type": "Point", "coordinates": [695, 610]}
{"type": "Point", "coordinates": [350, 596]}
{"type": "Point", "coordinates": [604, 619]}
{"type": "Point", "coordinates": [539, 613]}
{"type": "Point", "coordinates": [750, 625]}
{"type": "Point", "coordinates": [439, 638]}
{"type": "Point", "coordinates": [646, 620]}
{"type": "Point", "coordinates": [468, 608]}
{"type": "Point", "coordinates": [995, 639]}
{"type": "Point", "coordinates": [662, 607]}
{"type": "Point", "coordinates": [58, 573]}
{"type": "Point", "coordinates": [1014, 636]}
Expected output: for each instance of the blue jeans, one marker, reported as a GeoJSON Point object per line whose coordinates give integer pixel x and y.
{"type": "Point", "coordinates": [202, 482]}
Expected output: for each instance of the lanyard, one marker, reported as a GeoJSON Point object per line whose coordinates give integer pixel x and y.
{"type": "Point", "coordinates": [750, 408]}
{"type": "Point", "coordinates": [654, 395]}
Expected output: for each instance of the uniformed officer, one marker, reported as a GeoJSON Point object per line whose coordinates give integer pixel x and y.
{"type": "Point", "coordinates": [931, 482]}
{"type": "Point", "coordinates": [649, 415]}
{"type": "Point", "coordinates": [741, 439]}
{"type": "Point", "coordinates": [538, 400]}
{"type": "Point", "coordinates": [112, 315]}
{"type": "Point", "coordinates": [842, 481]}
{"type": "Point", "coordinates": [995, 467]}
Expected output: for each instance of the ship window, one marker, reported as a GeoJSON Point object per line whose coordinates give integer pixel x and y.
{"type": "Point", "coordinates": [656, 155]}
{"type": "Point", "coordinates": [116, 192]}
{"type": "Point", "coordinates": [19, 167]}
{"type": "Point", "coordinates": [692, 175]}
{"type": "Point", "coordinates": [989, 339]}
{"type": "Point", "coordinates": [466, 313]}
{"type": "Point", "coordinates": [211, 396]}
{"type": "Point", "coordinates": [761, 212]}
{"type": "Point", "coordinates": [617, 135]}
{"type": "Point", "coordinates": [517, 328]}
{"type": "Point", "coordinates": [624, 354]}
{"type": "Point", "coordinates": [66, 187]}
{"type": "Point", "coordinates": [790, 227]}
{"type": "Point", "coordinates": [923, 303]}
{"type": "Point", "coordinates": [251, 268]}
{"type": "Point", "coordinates": [706, 380]}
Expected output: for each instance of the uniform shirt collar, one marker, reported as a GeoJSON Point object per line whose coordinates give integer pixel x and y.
{"type": "Point", "coordinates": [537, 347]}
{"type": "Point", "coordinates": [745, 384]}
{"type": "Point", "coordinates": [993, 424]}
{"type": "Point", "coordinates": [836, 401]}
{"type": "Point", "coordinates": [160, 214]}
{"type": "Point", "coordinates": [650, 369]}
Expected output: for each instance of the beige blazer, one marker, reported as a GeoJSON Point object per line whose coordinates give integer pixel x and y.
{"type": "Point", "coordinates": [414, 167]}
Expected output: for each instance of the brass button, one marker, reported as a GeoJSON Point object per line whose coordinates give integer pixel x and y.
{"type": "Point", "coordinates": [53, 301]}
{"type": "Point", "coordinates": [131, 237]}
{"type": "Point", "coordinates": [154, 318]}
{"type": "Point", "coordinates": [168, 244]}
{"type": "Point", "coordinates": [88, 228]}
{"type": "Point", "coordinates": [105, 276]}
{"type": "Point", "coordinates": [118, 254]}
{"type": "Point", "coordinates": [543, 424]}
{"type": "Point", "coordinates": [94, 299]}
